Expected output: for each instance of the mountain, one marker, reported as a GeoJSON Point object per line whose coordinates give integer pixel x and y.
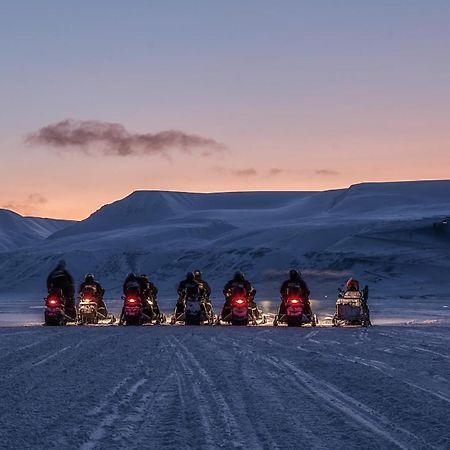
{"type": "Point", "coordinates": [391, 235]}
{"type": "Point", "coordinates": [18, 231]}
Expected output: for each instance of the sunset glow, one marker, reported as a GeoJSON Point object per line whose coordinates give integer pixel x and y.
{"type": "Point", "coordinates": [291, 96]}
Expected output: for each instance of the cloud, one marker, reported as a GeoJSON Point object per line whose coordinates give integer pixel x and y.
{"type": "Point", "coordinates": [326, 172]}
{"type": "Point", "coordinates": [96, 137]}
{"type": "Point", "coordinates": [249, 172]}
{"type": "Point", "coordinates": [27, 205]}
{"type": "Point", "coordinates": [245, 172]}
{"type": "Point", "coordinates": [274, 172]}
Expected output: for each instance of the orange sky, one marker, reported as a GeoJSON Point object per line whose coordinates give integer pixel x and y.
{"type": "Point", "coordinates": [304, 95]}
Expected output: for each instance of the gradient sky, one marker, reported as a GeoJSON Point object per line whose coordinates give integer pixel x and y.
{"type": "Point", "coordinates": [303, 94]}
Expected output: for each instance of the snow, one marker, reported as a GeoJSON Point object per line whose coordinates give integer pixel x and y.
{"type": "Point", "coordinates": [17, 231]}
{"type": "Point", "coordinates": [225, 387]}
{"type": "Point", "coordinates": [384, 387]}
{"type": "Point", "coordinates": [383, 233]}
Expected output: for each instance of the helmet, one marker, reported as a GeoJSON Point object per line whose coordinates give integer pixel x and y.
{"type": "Point", "coordinates": [131, 275]}
{"type": "Point", "coordinates": [89, 278]}
{"type": "Point", "coordinates": [197, 275]}
{"type": "Point", "coordinates": [352, 284]}
{"type": "Point", "coordinates": [190, 276]}
{"type": "Point", "coordinates": [294, 275]}
{"type": "Point", "coordinates": [238, 276]}
{"type": "Point", "coordinates": [61, 264]}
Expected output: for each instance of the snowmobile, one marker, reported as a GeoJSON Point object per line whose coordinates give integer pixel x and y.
{"type": "Point", "coordinates": [137, 312]}
{"type": "Point", "coordinates": [294, 310]}
{"type": "Point", "coordinates": [55, 311]}
{"type": "Point", "coordinates": [87, 307]}
{"type": "Point", "coordinates": [89, 311]}
{"type": "Point", "coordinates": [133, 309]}
{"type": "Point", "coordinates": [241, 311]}
{"type": "Point", "coordinates": [352, 309]}
{"type": "Point", "coordinates": [194, 310]}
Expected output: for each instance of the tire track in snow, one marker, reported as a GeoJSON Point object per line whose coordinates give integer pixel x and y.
{"type": "Point", "coordinates": [356, 411]}
{"type": "Point", "coordinates": [124, 408]}
{"type": "Point", "coordinates": [390, 371]}
{"type": "Point", "coordinates": [28, 346]}
{"type": "Point", "coordinates": [424, 350]}
{"type": "Point", "coordinates": [51, 356]}
{"type": "Point", "coordinates": [255, 401]}
{"type": "Point", "coordinates": [108, 420]}
{"type": "Point", "coordinates": [229, 426]}
{"type": "Point", "coordinates": [385, 369]}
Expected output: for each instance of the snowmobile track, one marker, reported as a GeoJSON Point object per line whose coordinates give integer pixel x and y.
{"type": "Point", "coordinates": [354, 409]}
{"type": "Point", "coordinates": [225, 387]}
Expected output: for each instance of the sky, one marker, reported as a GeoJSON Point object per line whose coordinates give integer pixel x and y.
{"type": "Point", "coordinates": [101, 98]}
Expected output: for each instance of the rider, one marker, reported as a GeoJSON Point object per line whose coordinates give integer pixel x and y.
{"type": "Point", "coordinates": [239, 281]}
{"type": "Point", "coordinates": [149, 293]}
{"type": "Point", "coordinates": [186, 285]}
{"type": "Point", "coordinates": [295, 280]}
{"type": "Point", "coordinates": [131, 283]}
{"type": "Point", "coordinates": [89, 281]}
{"type": "Point", "coordinates": [61, 279]}
{"type": "Point", "coordinates": [205, 288]}
{"type": "Point", "coordinates": [352, 285]}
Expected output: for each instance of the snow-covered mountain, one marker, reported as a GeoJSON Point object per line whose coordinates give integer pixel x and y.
{"type": "Point", "coordinates": [389, 234]}
{"type": "Point", "coordinates": [18, 231]}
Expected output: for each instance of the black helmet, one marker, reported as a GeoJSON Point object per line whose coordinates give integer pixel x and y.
{"type": "Point", "coordinates": [131, 275]}
{"type": "Point", "coordinates": [294, 275]}
{"type": "Point", "coordinates": [89, 278]}
{"type": "Point", "coordinates": [190, 276]}
{"type": "Point", "coordinates": [238, 276]}
{"type": "Point", "coordinates": [197, 275]}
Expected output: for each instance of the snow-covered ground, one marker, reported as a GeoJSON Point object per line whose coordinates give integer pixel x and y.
{"type": "Point", "coordinates": [165, 386]}
{"type": "Point", "coordinates": [384, 387]}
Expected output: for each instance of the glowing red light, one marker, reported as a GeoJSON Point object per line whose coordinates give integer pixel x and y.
{"type": "Point", "coordinates": [294, 301]}
{"type": "Point", "coordinates": [239, 301]}
{"type": "Point", "coordinates": [131, 300]}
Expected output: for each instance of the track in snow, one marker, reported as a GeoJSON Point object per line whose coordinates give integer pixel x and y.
{"type": "Point", "coordinates": [200, 387]}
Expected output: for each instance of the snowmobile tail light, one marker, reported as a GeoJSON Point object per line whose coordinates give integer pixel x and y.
{"type": "Point", "coordinates": [239, 301]}
{"type": "Point", "coordinates": [294, 301]}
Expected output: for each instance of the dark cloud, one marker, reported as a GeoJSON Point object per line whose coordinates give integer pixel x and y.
{"type": "Point", "coordinates": [245, 172]}
{"type": "Point", "coordinates": [326, 172]}
{"type": "Point", "coordinates": [273, 172]}
{"type": "Point", "coordinates": [249, 172]}
{"type": "Point", "coordinates": [27, 205]}
{"type": "Point", "coordinates": [95, 137]}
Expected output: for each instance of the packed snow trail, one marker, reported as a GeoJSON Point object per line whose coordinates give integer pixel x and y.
{"type": "Point", "coordinates": [224, 387]}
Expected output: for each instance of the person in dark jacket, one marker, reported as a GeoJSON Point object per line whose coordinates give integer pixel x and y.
{"type": "Point", "coordinates": [60, 278]}
{"type": "Point", "coordinates": [206, 289]}
{"type": "Point", "coordinates": [99, 292]}
{"type": "Point", "coordinates": [149, 293]}
{"type": "Point", "coordinates": [295, 280]}
{"type": "Point", "coordinates": [189, 284]}
{"type": "Point", "coordinates": [239, 281]}
{"type": "Point", "coordinates": [132, 282]}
